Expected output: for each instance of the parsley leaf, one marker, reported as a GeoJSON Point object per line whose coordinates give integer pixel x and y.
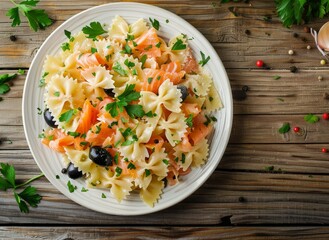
{"type": "Point", "coordinates": [8, 171]}
{"type": "Point", "coordinates": [37, 18]}
{"type": "Point", "coordinates": [95, 29]}
{"type": "Point", "coordinates": [299, 11]}
{"type": "Point", "coordinates": [4, 78]}
{"type": "Point", "coordinates": [135, 110]}
{"type": "Point", "coordinates": [7, 77]}
{"type": "Point", "coordinates": [204, 59]}
{"type": "Point", "coordinates": [284, 128]}
{"type": "Point", "coordinates": [178, 45]}
{"type": "Point", "coordinates": [129, 94]}
{"type": "Point", "coordinates": [66, 116]}
{"type": "Point", "coordinates": [311, 118]}
{"type": "Point", "coordinates": [155, 23]}
{"type": "Point", "coordinates": [4, 88]}
{"type": "Point", "coordinates": [28, 196]}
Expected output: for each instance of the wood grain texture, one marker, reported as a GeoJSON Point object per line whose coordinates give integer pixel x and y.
{"type": "Point", "coordinates": [268, 40]}
{"type": "Point", "coordinates": [242, 191]}
{"type": "Point", "coordinates": [190, 233]}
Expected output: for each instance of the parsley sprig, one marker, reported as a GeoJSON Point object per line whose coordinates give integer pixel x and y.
{"type": "Point", "coordinates": [28, 196]}
{"type": "Point", "coordinates": [297, 11]}
{"type": "Point", "coordinates": [123, 102]}
{"type": "Point", "coordinates": [37, 18]}
{"type": "Point", "coordinates": [93, 30]}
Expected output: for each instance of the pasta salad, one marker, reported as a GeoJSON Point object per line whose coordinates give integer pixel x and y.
{"type": "Point", "coordinates": [127, 110]}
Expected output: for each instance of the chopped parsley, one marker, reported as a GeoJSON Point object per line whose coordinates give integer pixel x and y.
{"type": "Point", "coordinates": [131, 166]}
{"type": "Point", "coordinates": [57, 177]}
{"type": "Point", "coordinates": [155, 23]}
{"type": "Point", "coordinates": [149, 80]}
{"type": "Point", "coordinates": [83, 143]}
{"type": "Point", "coordinates": [103, 195]}
{"type": "Point", "coordinates": [130, 37]}
{"type": "Point", "coordinates": [276, 77]}
{"type": "Point", "coordinates": [73, 134]}
{"type": "Point", "coordinates": [204, 59]}
{"type": "Point", "coordinates": [129, 64]}
{"type": "Point", "coordinates": [165, 161]}
{"type": "Point", "coordinates": [56, 94]}
{"type": "Point", "coordinates": [84, 189]}
{"type": "Point", "coordinates": [71, 187]}
{"type": "Point", "coordinates": [183, 158]}
{"type": "Point", "coordinates": [119, 69]}
{"type": "Point", "coordinates": [67, 34]}
{"type": "Point", "coordinates": [143, 60]}
{"type": "Point", "coordinates": [189, 121]}
{"type": "Point", "coordinates": [65, 46]}
{"type": "Point", "coordinates": [127, 49]}
{"type": "Point", "coordinates": [118, 170]}
{"type": "Point", "coordinates": [93, 50]}
{"type": "Point", "coordinates": [116, 158]}
{"type": "Point", "coordinates": [209, 120]}
{"type": "Point", "coordinates": [147, 172]}
{"type": "Point", "coordinates": [39, 111]}
{"type": "Point", "coordinates": [179, 45]}
{"type": "Point", "coordinates": [158, 44]}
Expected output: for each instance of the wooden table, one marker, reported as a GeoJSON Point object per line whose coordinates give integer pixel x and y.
{"type": "Point", "coordinates": [242, 199]}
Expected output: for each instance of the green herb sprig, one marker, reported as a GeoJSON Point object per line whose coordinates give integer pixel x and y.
{"type": "Point", "coordinates": [123, 102]}
{"type": "Point", "coordinates": [93, 30]}
{"type": "Point", "coordinates": [37, 18]}
{"type": "Point", "coordinates": [28, 197]}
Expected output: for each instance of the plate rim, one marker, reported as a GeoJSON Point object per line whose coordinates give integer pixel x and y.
{"type": "Point", "coordinates": [228, 115]}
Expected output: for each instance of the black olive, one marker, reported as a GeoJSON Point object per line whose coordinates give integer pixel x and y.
{"type": "Point", "coordinates": [109, 92]}
{"type": "Point", "coordinates": [49, 118]}
{"type": "Point", "coordinates": [184, 92]}
{"type": "Point", "coordinates": [100, 156]}
{"type": "Point", "coordinates": [73, 172]}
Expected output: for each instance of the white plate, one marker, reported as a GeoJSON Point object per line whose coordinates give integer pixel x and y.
{"type": "Point", "coordinates": [50, 163]}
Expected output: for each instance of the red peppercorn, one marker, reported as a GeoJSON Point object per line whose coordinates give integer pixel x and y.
{"type": "Point", "coordinates": [296, 129]}
{"type": "Point", "coordinates": [324, 150]}
{"type": "Point", "coordinates": [325, 116]}
{"type": "Point", "coordinates": [259, 63]}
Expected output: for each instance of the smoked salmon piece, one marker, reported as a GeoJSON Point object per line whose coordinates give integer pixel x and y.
{"type": "Point", "coordinates": [87, 60]}
{"type": "Point", "coordinates": [146, 44]}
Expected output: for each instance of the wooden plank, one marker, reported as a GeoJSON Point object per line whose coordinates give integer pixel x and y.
{"type": "Point", "coordinates": [266, 199]}
{"type": "Point", "coordinates": [246, 129]}
{"type": "Point", "coordinates": [297, 93]}
{"type": "Point", "coordinates": [267, 40]}
{"type": "Point", "coordinates": [289, 158]}
{"type": "Point", "coordinates": [191, 233]}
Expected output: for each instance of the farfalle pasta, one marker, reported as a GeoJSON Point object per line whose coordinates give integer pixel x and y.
{"type": "Point", "coordinates": [127, 110]}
